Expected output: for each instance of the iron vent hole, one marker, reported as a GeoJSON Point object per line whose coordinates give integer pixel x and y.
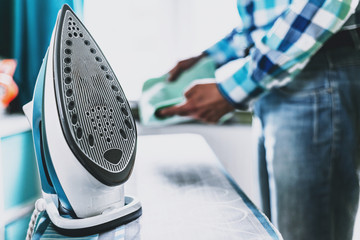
{"type": "Point", "coordinates": [113, 155]}
{"type": "Point", "coordinates": [67, 60]}
{"type": "Point", "coordinates": [69, 92]}
{"type": "Point", "coordinates": [109, 77]}
{"type": "Point", "coordinates": [124, 111]}
{"type": "Point", "coordinates": [79, 133]}
{"type": "Point", "coordinates": [91, 140]}
{"type": "Point", "coordinates": [71, 105]}
{"type": "Point", "coordinates": [68, 80]}
{"type": "Point", "coordinates": [74, 119]}
{"type": "Point", "coordinates": [67, 70]}
{"type": "Point", "coordinates": [113, 87]}
{"type": "Point", "coordinates": [128, 124]}
{"type": "Point", "coordinates": [119, 99]}
{"type": "Point", "coordinates": [123, 134]}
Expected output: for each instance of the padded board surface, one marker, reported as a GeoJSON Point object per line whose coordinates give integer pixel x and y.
{"type": "Point", "coordinates": [97, 116]}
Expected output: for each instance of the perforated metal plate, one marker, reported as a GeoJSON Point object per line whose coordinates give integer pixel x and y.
{"type": "Point", "coordinates": [97, 120]}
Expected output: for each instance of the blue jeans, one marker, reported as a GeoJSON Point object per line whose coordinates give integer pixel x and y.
{"type": "Point", "coordinates": [309, 149]}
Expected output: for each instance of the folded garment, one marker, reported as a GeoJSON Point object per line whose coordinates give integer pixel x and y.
{"type": "Point", "coordinates": [158, 93]}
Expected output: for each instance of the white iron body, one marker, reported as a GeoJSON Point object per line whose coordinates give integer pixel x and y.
{"type": "Point", "coordinates": [94, 203]}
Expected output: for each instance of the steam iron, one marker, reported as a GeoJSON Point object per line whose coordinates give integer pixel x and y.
{"type": "Point", "coordinates": [84, 134]}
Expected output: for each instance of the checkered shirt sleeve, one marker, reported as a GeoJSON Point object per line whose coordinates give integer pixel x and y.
{"type": "Point", "coordinates": [292, 34]}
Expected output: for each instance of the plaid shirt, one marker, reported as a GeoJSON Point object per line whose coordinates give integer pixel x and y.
{"type": "Point", "coordinates": [282, 35]}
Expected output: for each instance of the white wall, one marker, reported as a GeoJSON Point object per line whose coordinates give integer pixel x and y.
{"type": "Point", "coordinates": [145, 38]}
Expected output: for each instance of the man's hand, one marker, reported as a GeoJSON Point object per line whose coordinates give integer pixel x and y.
{"type": "Point", "coordinates": [204, 102]}
{"type": "Point", "coordinates": [182, 66]}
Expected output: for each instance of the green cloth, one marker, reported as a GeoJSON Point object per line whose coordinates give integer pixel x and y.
{"type": "Point", "coordinates": [158, 93]}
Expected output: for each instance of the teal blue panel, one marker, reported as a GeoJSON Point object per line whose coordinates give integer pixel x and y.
{"type": "Point", "coordinates": [28, 25]}
{"type": "Point", "coordinates": [20, 176]}
{"type": "Point", "coordinates": [17, 230]}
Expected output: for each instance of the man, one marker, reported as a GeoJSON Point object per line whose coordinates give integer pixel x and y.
{"type": "Point", "coordinates": [302, 66]}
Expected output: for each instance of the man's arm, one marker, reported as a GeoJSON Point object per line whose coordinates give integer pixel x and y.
{"type": "Point", "coordinates": [235, 45]}
{"type": "Point", "coordinates": [286, 48]}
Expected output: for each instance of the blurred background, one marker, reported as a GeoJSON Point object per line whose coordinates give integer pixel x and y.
{"type": "Point", "coordinates": [144, 39]}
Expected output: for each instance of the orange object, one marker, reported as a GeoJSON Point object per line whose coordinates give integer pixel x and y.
{"type": "Point", "coordinates": [8, 88]}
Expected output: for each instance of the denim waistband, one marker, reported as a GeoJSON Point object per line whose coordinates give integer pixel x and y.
{"type": "Point", "coordinates": [320, 65]}
{"type": "Point", "coordinates": [334, 58]}
{"type": "Point", "coordinates": [344, 38]}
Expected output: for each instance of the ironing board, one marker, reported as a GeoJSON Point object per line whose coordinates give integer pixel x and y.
{"type": "Point", "coordinates": [185, 194]}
